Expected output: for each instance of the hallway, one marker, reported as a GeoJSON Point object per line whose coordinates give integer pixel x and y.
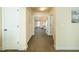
{"type": "Point", "coordinates": [40, 42]}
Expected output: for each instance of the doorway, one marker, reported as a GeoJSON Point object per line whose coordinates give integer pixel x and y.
{"type": "Point", "coordinates": [42, 39]}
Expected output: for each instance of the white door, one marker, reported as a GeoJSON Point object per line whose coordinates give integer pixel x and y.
{"type": "Point", "coordinates": [48, 24]}
{"type": "Point", "coordinates": [9, 28]}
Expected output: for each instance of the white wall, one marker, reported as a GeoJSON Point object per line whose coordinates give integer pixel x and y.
{"type": "Point", "coordinates": [29, 24]}
{"type": "Point", "coordinates": [14, 21]}
{"type": "Point", "coordinates": [0, 28]}
{"type": "Point", "coordinates": [22, 26]}
{"type": "Point", "coordinates": [53, 23]}
{"type": "Point", "coordinates": [67, 33]}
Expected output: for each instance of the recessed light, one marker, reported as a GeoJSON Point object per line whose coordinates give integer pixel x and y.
{"type": "Point", "coordinates": [43, 8]}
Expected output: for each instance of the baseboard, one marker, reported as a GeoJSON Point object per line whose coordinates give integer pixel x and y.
{"type": "Point", "coordinates": [66, 50]}
{"type": "Point", "coordinates": [30, 38]}
{"type": "Point", "coordinates": [12, 50]}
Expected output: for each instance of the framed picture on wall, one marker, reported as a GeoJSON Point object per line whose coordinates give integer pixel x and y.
{"type": "Point", "coordinates": [75, 16]}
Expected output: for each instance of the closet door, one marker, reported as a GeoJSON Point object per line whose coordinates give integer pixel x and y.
{"type": "Point", "coordinates": [10, 28]}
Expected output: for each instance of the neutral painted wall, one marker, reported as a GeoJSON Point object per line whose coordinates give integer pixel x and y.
{"type": "Point", "coordinates": [53, 24]}
{"type": "Point", "coordinates": [22, 28]}
{"type": "Point", "coordinates": [0, 28]}
{"type": "Point", "coordinates": [29, 24]}
{"type": "Point", "coordinates": [67, 33]}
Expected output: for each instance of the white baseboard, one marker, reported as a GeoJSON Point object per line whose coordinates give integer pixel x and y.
{"type": "Point", "coordinates": [67, 48]}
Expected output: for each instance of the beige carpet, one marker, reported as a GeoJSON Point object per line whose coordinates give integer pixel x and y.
{"type": "Point", "coordinates": [41, 42]}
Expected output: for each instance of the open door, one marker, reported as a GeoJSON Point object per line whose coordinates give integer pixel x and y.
{"type": "Point", "coordinates": [48, 25]}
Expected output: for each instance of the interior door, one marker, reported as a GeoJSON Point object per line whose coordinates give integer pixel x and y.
{"type": "Point", "coordinates": [9, 29]}
{"type": "Point", "coordinates": [48, 30]}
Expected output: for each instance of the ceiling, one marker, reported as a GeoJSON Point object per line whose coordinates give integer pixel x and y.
{"type": "Point", "coordinates": [37, 9]}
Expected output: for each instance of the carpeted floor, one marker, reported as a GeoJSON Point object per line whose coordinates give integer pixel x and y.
{"type": "Point", "coordinates": [41, 42]}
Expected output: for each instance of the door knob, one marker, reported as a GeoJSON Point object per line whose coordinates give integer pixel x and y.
{"type": "Point", "coordinates": [5, 29]}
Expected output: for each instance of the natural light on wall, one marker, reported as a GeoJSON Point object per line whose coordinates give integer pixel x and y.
{"type": "Point", "coordinates": [38, 23]}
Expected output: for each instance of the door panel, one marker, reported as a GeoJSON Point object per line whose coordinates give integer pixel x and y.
{"type": "Point", "coordinates": [10, 32]}
{"type": "Point", "coordinates": [48, 30]}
